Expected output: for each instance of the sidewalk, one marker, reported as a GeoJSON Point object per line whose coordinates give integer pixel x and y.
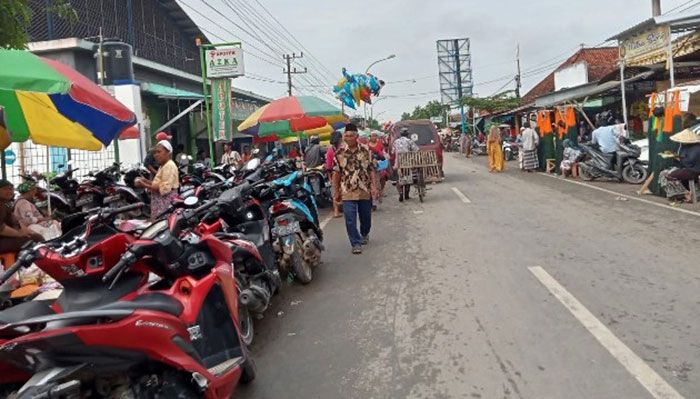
{"type": "Point", "coordinates": [626, 191]}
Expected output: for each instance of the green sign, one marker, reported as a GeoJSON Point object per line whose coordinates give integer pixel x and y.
{"type": "Point", "coordinates": [221, 109]}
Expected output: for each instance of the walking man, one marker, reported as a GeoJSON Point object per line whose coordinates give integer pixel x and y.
{"type": "Point", "coordinates": [401, 145]}
{"type": "Point", "coordinates": [355, 184]}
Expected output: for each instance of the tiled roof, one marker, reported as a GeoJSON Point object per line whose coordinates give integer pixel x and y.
{"type": "Point", "coordinates": [601, 61]}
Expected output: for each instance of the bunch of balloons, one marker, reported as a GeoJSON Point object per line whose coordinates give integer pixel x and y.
{"type": "Point", "coordinates": [353, 89]}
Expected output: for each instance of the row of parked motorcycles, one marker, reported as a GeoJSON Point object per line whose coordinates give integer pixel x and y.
{"type": "Point", "coordinates": [162, 309]}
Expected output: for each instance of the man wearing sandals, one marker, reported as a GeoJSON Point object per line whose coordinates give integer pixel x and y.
{"type": "Point", "coordinates": [355, 184]}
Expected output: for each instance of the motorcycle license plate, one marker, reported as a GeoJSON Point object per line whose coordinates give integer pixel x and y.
{"type": "Point", "coordinates": [84, 200]}
{"type": "Point", "coordinates": [291, 228]}
{"type": "Point", "coordinates": [110, 199]}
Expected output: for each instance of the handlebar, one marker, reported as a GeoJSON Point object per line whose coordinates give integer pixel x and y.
{"type": "Point", "coordinates": [24, 258]}
{"type": "Point", "coordinates": [115, 272]}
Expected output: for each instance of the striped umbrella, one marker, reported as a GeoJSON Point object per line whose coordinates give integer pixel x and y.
{"type": "Point", "coordinates": [55, 105]}
{"type": "Point", "coordinates": [291, 116]}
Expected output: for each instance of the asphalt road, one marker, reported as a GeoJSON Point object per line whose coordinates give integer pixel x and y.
{"type": "Point", "coordinates": [524, 286]}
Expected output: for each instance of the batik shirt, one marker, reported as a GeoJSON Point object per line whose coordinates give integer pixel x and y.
{"type": "Point", "coordinates": [356, 168]}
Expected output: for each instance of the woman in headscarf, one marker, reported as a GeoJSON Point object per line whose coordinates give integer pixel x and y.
{"type": "Point", "coordinates": [29, 216]}
{"type": "Point", "coordinates": [164, 185]}
{"type": "Point", "coordinates": [494, 150]}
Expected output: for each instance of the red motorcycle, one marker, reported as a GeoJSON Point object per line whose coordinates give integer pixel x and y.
{"type": "Point", "coordinates": [112, 335]}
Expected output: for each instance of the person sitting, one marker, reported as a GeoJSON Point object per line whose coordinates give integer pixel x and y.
{"type": "Point", "coordinates": [12, 235]}
{"type": "Point", "coordinates": [568, 162]}
{"type": "Point", "coordinates": [676, 181]}
{"type": "Point", "coordinates": [29, 216]}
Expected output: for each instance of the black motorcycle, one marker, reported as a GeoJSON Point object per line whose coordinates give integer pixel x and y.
{"type": "Point", "coordinates": [624, 165]}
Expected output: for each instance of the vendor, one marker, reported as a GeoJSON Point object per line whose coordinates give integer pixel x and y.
{"type": "Point", "coordinates": [163, 187]}
{"type": "Point", "coordinates": [675, 181]}
{"type": "Point", "coordinates": [28, 215]}
{"type": "Point", "coordinates": [12, 235]}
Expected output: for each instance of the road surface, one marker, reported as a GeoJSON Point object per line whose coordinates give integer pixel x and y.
{"type": "Point", "coordinates": [506, 285]}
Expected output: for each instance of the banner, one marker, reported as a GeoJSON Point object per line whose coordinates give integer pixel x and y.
{"type": "Point", "coordinates": [644, 43]}
{"type": "Point", "coordinates": [221, 109]}
{"type": "Point", "coordinates": [224, 63]}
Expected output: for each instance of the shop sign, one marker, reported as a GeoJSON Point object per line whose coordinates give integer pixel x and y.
{"type": "Point", "coordinates": [224, 63]}
{"type": "Point", "coordinates": [436, 119]}
{"type": "Point", "coordinates": [645, 42]}
{"type": "Point", "coordinates": [221, 109]}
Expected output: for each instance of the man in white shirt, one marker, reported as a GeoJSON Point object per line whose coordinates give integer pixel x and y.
{"type": "Point", "coordinates": [530, 141]}
{"type": "Point", "coordinates": [230, 157]}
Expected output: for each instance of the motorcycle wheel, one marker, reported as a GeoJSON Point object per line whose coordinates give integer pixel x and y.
{"type": "Point", "coordinates": [248, 370]}
{"type": "Point", "coordinates": [301, 268]}
{"type": "Point", "coordinates": [634, 174]}
{"type": "Point", "coordinates": [508, 155]}
{"type": "Point", "coordinates": [245, 325]}
{"type": "Point", "coordinates": [585, 175]}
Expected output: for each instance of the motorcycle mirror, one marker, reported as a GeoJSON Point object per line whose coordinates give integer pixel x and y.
{"type": "Point", "coordinates": [252, 164]}
{"type": "Point", "coordinates": [191, 202]}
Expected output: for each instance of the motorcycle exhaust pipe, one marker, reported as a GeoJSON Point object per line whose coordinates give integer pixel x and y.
{"type": "Point", "coordinates": [256, 298]}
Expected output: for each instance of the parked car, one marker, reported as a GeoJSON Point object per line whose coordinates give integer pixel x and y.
{"type": "Point", "coordinates": [423, 132]}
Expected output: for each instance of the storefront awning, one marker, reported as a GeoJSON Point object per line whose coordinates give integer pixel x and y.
{"type": "Point", "coordinates": [591, 89]}
{"type": "Point", "coordinates": [168, 92]}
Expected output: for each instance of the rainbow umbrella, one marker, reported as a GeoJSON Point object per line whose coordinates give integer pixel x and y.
{"type": "Point", "coordinates": [291, 116]}
{"type": "Point", "coordinates": [55, 105]}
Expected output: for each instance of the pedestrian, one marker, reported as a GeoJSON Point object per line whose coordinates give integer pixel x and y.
{"type": "Point", "coordinates": [402, 145]}
{"type": "Point", "coordinates": [467, 146]}
{"type": "Point", "coordinates": [247, 154]}
{"type": "Point", "coordinates": [293, 153]}
{"type": "Point", "coordinates": [182, 160]}
{"type": "Point", "coordinates": [29, 216]}
{"type": "Point", "coordinates": [313, 156]}
{"type": "Point", "coordinates": [204, 159]}
{"type": "Point", "coordinates": [530, 140]}
{"type": "Point", "coordinates": [494, 150]}
{"type": "Point", "coordinates": [230, 157]}
{"type": "Point", "coordinates": [163, 187]}
{"type": "Point", "coordinates": [336, 142]}
{"type": "Point", "coordinates": [12, 235]}
{"type": "Point", "coordinates": [354, 184]}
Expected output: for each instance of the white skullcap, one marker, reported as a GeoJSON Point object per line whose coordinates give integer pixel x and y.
{"type": "Point", "coordinates": [166, 144]}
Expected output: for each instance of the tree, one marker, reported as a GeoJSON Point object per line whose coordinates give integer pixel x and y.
{"type": "Point", "coordinates": [16, 15]}
{"type": "Point", "coordinates": [496, 103]}
{"type": "Point", "coordinates": [431, 109]}
{"type": "Point", "coordinates": [372, 123]}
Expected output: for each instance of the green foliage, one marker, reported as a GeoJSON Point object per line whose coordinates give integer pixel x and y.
{"type": "Point", "coordinates": [496, 103]}
{"type": "Point", "coordinates": [372, 123]}
{"type": "Point", "coordinates": [431, 109]}
{"type": "Point", "coordinates": [15, 17]}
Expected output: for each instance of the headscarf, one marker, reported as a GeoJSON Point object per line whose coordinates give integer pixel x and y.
{"type": "Point", "coordinates": [26, 186]}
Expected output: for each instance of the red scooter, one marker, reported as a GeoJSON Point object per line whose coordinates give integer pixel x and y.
{"type": "Point", "coordinates": [176, 338]}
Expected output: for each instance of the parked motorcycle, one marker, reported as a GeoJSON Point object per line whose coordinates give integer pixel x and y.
{"type": "Point", "coordinates": [627, 167]}
{"type": "Point", "coordinates": [510, 149]}
{"type": "Point", "coordinates": [188, 343]}
{"type": "Point", "coordinates": [478, 148]}
{"type": "Point", "coordinates": [92, 191]}
{"type": "Point", "coordinates": [320, 186]}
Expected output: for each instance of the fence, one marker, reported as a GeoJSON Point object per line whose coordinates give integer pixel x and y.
{"type": "Point", "coordinates": [31, 158]}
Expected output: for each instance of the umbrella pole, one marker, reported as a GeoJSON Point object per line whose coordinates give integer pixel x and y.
{"type": "Point", "coordinates": [46, 178]}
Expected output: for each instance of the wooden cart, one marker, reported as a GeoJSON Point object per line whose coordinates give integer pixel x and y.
{"type": "Point", "coordinates": [418, 168]}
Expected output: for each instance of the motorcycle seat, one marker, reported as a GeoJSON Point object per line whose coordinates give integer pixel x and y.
{"type": "Point", "coordinates": [154, 301]}
{"type": "Point", "coordinates": [25, 311]}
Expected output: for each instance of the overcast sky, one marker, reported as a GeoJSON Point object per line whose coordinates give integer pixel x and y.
{"type": "Point", "coordinates": [354, 33]}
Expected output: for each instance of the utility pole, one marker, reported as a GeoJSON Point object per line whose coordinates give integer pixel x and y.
{"type": "Point", "coordinates": [292, 71]}
{"type": "Point", "coordinates": [517, 77]}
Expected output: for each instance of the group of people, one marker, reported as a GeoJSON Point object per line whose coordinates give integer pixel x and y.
{"type": "Point", "coordinates": [20, 220]}
{"type": "Point", "coordinates": [528, 138]}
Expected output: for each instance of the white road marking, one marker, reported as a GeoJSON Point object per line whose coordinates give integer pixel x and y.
{"type": "Point", "coordinates": [624, 195]}
{"type": "Point", "coordinates": [646, 376]}
{"type": "Point", "coordinates": [325, 221]}
{"type": "Point", "coordinates": [461, 196]}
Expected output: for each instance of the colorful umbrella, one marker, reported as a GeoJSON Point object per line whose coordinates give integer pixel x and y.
{"type": "Point", "coordinates": [55, 105]}
{"type": "Point", "coordinates": [289, 116]}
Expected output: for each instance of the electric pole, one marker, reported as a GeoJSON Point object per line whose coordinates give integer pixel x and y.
{"type": "Point", "coordinates": [292, 71]}
{"type": "Point", "coordinates": [517, 77]}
